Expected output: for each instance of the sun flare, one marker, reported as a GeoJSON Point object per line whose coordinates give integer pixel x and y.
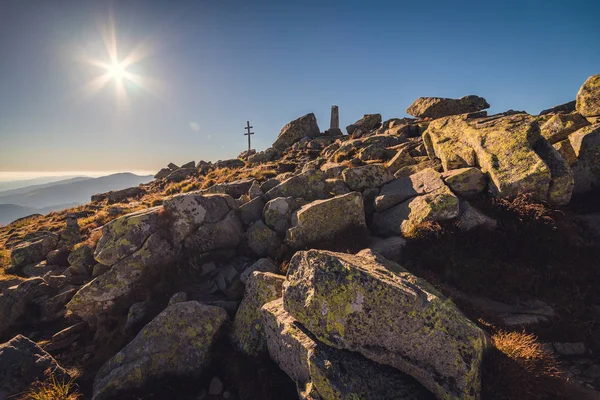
{"type": "Point", "coordinates": [116, 71]}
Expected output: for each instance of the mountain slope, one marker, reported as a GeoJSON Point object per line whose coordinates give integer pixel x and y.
{"type": "Point", "coordinates": [34, 187]}
{"type": "Point", "coordinates": [77, 192]}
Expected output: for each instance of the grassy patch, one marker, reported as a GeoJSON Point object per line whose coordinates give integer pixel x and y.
{"type": "Point", "coordinates": [52, 389]}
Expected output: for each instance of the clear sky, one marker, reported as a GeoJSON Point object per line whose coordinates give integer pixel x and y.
{"type": "Point", "coordinates": [205, 67]}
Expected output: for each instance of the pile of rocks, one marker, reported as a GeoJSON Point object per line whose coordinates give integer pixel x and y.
{"type": "Point", "coordinates": [340, 324]}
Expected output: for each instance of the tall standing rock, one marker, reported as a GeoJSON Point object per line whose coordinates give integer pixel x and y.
{"type": "Point", "coordinates": [588, 97]}
{"type": "Point", "coordinates": [296, 130]}
{"type": "Point", "coordinates": [368, 304]}
{"type": "Point", "coordinates": [438, 107]}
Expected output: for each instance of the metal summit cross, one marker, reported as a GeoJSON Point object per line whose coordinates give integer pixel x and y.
{"type": "Point", "coordinates": [248, 127]}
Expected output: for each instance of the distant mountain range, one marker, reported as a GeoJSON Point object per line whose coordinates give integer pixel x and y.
{"type": "Point", "coordinates": [62, 194]}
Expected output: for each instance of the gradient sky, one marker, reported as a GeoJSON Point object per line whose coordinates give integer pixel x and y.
{"type": "Point", "coordinates": [215, 64]}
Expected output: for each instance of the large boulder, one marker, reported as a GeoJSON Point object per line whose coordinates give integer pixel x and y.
{"type": "Point", "coordinates": [126, 235]}
{"type": "Point", "coordinates": [176, 343]}
{"type": "Point", "coordinates": [224, 234]}
{"type": "Point", "coordinates": [262, 240]}
{"type": "Point", "coordinates": [308, 185]}
{"type": "Point", "coordinates": [465, 181]}
{"type": "Point", "coordinates": [81, 259]}
{"type": "Point", "coordinates": [368, 304]}
{"type": "Point", "coordinates": [502, 147]}
{"type": "Point", "coordinates": [560, 126]}
{"type": "Point", "coordinates": [404, 218]}
{"type": "Point", "coordinates": [588, 97]}
{"type": "Point", "coordinates": [247, 332]}
{"type": "Point", "coordinates": [438, 107]}
{"type": "Point", "coordinates": [191, 210]}
{"type": "Point", "coordinates": [34, 251]}
{"type": "Point", "coordinates": [235, 189]}
{"type": "Point", "coordinates": [322, 220]}
{"type": "Point", "coordinates": [14, 301]}
{"type": "Point", "coordinates": [367, 176]}
{"type": "Point", "coordinates": [404, 188]}
{"type": "Point", "coordinates": [586, 146]}
{"type": "Point", "coordinates": [278, 213]}
{"type": "Point", "coordinates": [364, 125]}
{"type": "Point", "coordinates": [328, 373]}
{"type": "Point", "coordinates": [22, 363]}
{"type": "Point", "coordinates": [305, 126]}
{"type": "Point", "coordinates": [117, 286]}
{"type": "Point", "coordinates": [562, 182]}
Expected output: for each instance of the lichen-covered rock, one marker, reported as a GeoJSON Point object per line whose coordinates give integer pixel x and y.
{"type": "Point", "coordinates": [322, 372]}
{"type": "Point", "coordinates": [364, 125]}
{"type": "Point", "coordinates": [565, 108]}
{"type": "Point", "coordinates": [586, 145]}
{"type": "Point", "coordinates": [248, 334]}
{"type": "Point", "coordinates": [588, 97]}
{"type": "Point", "coordinates": [367, 176]}
{"type": "Point", "coordinates": [235, 189]}
{"type": "Point", "coordinates": [189, 211]}
{"type": "Point", "coordinates": [501, 146]}
{"type": "Point", "coordinates": [116, 286]}
{"type": "Point", "coordinates": [305, 126]}
{"type": "Point", "coordinates": [252, 211]}
{"type": "Point", "coordinates": [15, 299]}
{"type": "Point", "coordinates": [124, 236]}
{"type": "Point", "coordinates": [322, 220]}
{"type": "Point", "coordinates": [287, 342]}
{"type": "Point", "coordinates": [471, 218]}
{"type": "Point", "coordinates": [309, 185]}
{"type": "Point", "coordinates": [560, 126]}
{"type": "Point", "coordinates": [403, 218]}
{"type": "Point", "coordinates": [180, 174]}
{"type": "Point", "coordinates": [224, 234]}
{"type": "Point", "coordinates": [71, 235]}
{"type": "Point", "coordinates": [81, 259]}
{"type": "Point", "coordinates": [368, 304]}
{"type": "Point", "coordinates": [438, 107]}
{"type": "Point", "coordinates": [566, 151]}
{"type": "Point", "coordinates": [341, 375]}
{"type": "Point", "coordinates": [261, 239]}
{"type": "Point", "coordinates": [22, 363]}
{"type": "Point", "coordinates": [402, 189]}
{"type": "Point", "coordinates": [175, 343]}
{"type": "Point", "coordinates": [391, 247]}
{"type": "Point", "coordinates": [278, 213]}
{"type": "Point", "coordinates": [562, 181]}
{"type": "Point", "coordinates": [30, 252]}
{"type": "Point", "coordinates": [465, 181]}
{"type": "Point", "coordinates": [408, 170]}
{"type": "Point", "coordinates": [400, 160]}
{"type": "Point", "coordinates": [261, 265]}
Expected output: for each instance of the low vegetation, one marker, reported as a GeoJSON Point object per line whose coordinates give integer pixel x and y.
{"type": "Point", "coordinates": [52, 389]}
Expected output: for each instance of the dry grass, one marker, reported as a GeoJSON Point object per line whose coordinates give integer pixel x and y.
{"type": "Point", "coordinates": [94, 237]}
{"type": "Point", "coordinates": [52, 389]}
{"type": "Point", "coordinates": [518, 367]}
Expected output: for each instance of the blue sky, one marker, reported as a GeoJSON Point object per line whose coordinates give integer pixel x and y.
{"type": "Point", "coordinates": [215, 64]}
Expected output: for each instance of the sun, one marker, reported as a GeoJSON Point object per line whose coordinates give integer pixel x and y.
{"type": "Point", "coordinates": [116, 71]}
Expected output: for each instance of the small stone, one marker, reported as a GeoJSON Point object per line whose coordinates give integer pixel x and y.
{"type": "Point", "coordinates": [216, 387]}
{"type": "Point", "coordinates": [570, 349]}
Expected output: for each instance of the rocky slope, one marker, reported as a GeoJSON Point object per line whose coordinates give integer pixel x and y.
{"type": "Point", "coordinates": [453, 255]}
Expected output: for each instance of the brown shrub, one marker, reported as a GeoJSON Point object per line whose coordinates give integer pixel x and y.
{"type": "Point", "coordinates": [518, 367]}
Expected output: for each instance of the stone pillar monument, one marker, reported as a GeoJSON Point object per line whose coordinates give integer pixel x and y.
{"type": "Point", "coordinates": [335, 118]}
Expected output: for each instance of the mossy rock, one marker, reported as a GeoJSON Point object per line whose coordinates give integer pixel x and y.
{"type": "Point", "coordinates": [176, 343]}
{"type": "Point", "coordinates": [322, 220]}
{"type": "Point", "coordinates": [588, 97]}
{"type": "Point", "coordinates": [247, 333]}
{"type": "Point", "coordinates": [368, 304]}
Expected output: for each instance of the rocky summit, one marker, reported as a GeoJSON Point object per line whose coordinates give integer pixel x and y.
{"type": "Point", "coordinates": [453, 255]}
